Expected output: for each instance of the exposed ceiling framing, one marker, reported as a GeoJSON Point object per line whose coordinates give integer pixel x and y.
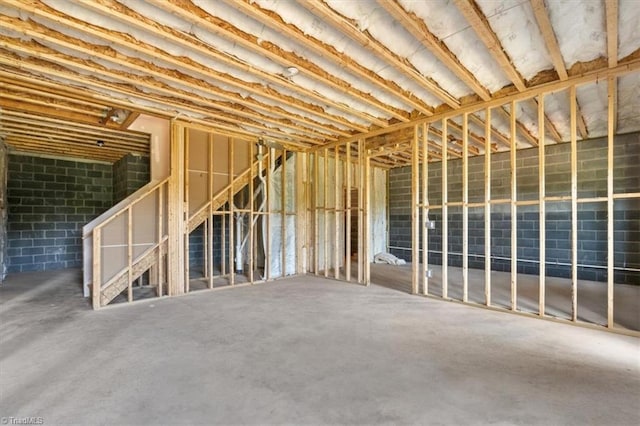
{"type": "Point", "coordinates": [310, 73]}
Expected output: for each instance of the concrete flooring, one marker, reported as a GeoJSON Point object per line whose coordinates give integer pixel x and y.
{"type": "Point", "coordinates": [301, 351]}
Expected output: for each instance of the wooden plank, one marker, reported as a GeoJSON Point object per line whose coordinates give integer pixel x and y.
{"type": "Point", "coordinates": [542, 210]}
{"type": "Point", "coordinates": [611, 114]}
{"type": "Point", "coordinates": [175, 257]}
{"type": "Point", "coordinates": [514, 208]}
{"type": "Point", "coordinates": [574, 206]}
{"type": "Point", "coordinates": [481, 26]}
{"type": "Point", "coordinates": [232, 273]}
{"type": "Point", "coordinates": [316, 222]}
{"type": "Point", "coordinates": [361, 239]}
{"type": "Point", "coordinates": [445, 213]}
{"type": "Point", "coordinates": [415, 231]}
{"type": "Point", "coordinates": [210, 228]}
{"type": "Point", "coordinates": [283, 211]}
{"type": "Point", "coordinates": [546, 88]}
{"type": "Point", "coordinates": [367, 221]}
{"type": "Point", "coordinates": [325, 211]}
{"type": "Point", "coordinates": [250, 242]}
{"type": "Point", "coordinates": [160, 238]}
{"type": "Point", "coordinates": [96, 285]}
{"type": "Point", "coordinates": [185, 201]}
{"type": "Point", "coordinates": [336, 206]}
{"type": "Point", "coordinates": [269, 194]}
{"type": "Point", "coordinates": [611, 10]}
{"type": "Point", "coordinates": [465, 207]}
{"type": "Point", "coordinates": [129, 255]}
{"type": "Point", "coordinates": [347, 168]}
{"type": "Point", "coordinates": [487, 208]}
{"type": "Point", "coordinates": [425, 210]}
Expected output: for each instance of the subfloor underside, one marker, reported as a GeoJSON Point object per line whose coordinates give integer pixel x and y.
{"type": "Point", "coordinates": [301, 350]}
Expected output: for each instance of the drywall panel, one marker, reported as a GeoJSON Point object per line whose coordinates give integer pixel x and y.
{"type": "Point", "coordinates": [240, 156]}
{"type": "Point", "coordinates": [198, 169]}
{"type": "Point", "coordinates": [145, 224]}
{"type": "Point", "coordinates": [159, 129]}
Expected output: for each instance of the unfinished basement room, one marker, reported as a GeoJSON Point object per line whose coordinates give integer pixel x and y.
{"type": "Point", "coordinates": [321, 212]}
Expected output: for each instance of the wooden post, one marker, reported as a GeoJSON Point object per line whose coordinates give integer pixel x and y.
{"type": "Point", "coordinates": [129, 254]}
{"type": "Point", "coordinates": [336, 192]}
{"type": "Point", "coordinates": [223, 245]}
{"type": "Point", "coordinates": [268, 195]}
{"type": "Point", "coordinates": [210, 229]}
{"type": "Point", "coordinates": [301, 212]}
{"type": "Point", "coordinates": [425, 209]}
{"type": "Point", "coordinates": [96, 285]}
{"type": "Point", "coordinates": [160, 231]}
{"type": "Point", "coordinates": [232, 273]}
{"type": "Point", "coordinates": [361, 238]}
{"type": "Point", "coordinates": [487, 207]}
{"type": "Point", "coordinates": [316, 222]}
{"type": "Point", "coordinates": [415, 231]}
{"type": "Point", "coordinates": [574, 206]}
{"type": "Point", "coordinates": [326, 212]}
{"type": "Point", "coordinates": [542, 207]}
{"type": "Point", "coordinates": [283, 212]}
{"type": "Point", "coordinates": [250, 251]}
{"type": "Point", "coordinates": [465, 207]}
{"type": "Point", "coordinates": [176, 228]}
{"type": "Point", "coordinates": [367, 220]}
{"type": "Point", "coordinates": [611, 114]}
{"type": "Point", "coordinates": [347, 260]}
{"type": "Point", "coordinates": [514, 209]}
{"type": "Point", "coordinates": [445, 212]}
{"type": "Point", "coordinates": [185, 202]}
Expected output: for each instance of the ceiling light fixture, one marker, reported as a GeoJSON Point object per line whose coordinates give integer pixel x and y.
{"type": "Point", "coordinates": [290, 72]}
{"type": "Point", "coordinates": [100, 143]}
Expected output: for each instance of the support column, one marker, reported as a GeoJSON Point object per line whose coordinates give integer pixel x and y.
{"type": "Point", "coordinates": [175, 255]}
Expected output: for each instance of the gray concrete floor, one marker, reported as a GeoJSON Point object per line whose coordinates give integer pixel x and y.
{"type": "Point", "coordinates": [301, 351]}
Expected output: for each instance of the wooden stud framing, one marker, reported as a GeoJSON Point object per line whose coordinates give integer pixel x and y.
{"type": "Point", "coordinates": [325, 210]}
{"type": "Point", "coordinates": [611, 114]}
{"type": "Point", "coordinates": [210, 221]}
{"type": "Point", "coordinates": [445, 213]}
{"type": "Point", "coordinates": [465, 207]}
{"type": "Point", "coordinates": [487, 208]}
{"type": "Point", "coordinates": [415, 230]}
{"type": "Point", "coordinates": [425, 210]}
{"type": "Point", "coordinates": [542, 209]}
{"type": "Point", "coordinates": [574, 206]}
{"type": "Point", "coordinates": [514, 210]}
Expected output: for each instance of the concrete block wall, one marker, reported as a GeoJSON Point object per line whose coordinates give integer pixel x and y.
{"type": "Point", "coordinates": [130, 173]}
{"type": "Point", "coordinates": [51, 199]}
{"type": "Point", "coordinates": [4, 156]}
{"type": "Point", "coordinates": [592, 227]}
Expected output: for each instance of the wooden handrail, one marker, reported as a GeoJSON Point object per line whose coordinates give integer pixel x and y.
{"type": "Point", "coordinates": [122, 207]}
